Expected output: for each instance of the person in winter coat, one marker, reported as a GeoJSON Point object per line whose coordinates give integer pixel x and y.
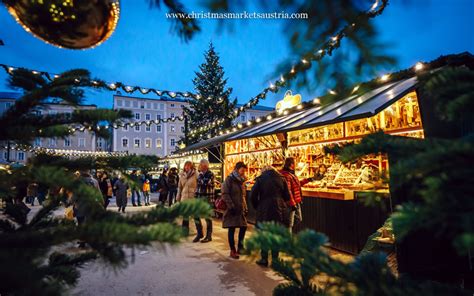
{"type": "Point", "coordinates": [121, 187]}
{"type": "Point", "coordinates": [294, 186]}
{"type": "Point", "coordinates": [269, 196]}
{"type": "Point", "coordinates": [173, 180]}
{"type": "Point", "coordinates": [105, 187]}
{"type": "Point", "coordinates": [187, 188]}
{"type": "Point", "coordinates": [163, 187]}
{"type": "Point", "coordinates": [136, 186]}
{"type": "Point", "coordinates": [146, 192]}
{"type": "Point", "coordinates": [205, 191]}
{"type": "Point", "coordinates": [234, 194]}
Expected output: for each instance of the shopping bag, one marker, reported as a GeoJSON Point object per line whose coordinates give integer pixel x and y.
{"type": "Point", "coordinates": [69, 213]}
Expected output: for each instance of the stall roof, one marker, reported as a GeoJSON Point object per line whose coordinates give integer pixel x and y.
{"type": "Point", "coordinates": [353, 107]}
{"type": "Point", "coordinates": [206, 143]}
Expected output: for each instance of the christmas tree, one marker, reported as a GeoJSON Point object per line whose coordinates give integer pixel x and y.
{"type": "Point", "coordinates": [35, 249]}
{"type": "Point", "coordinates": [213, 104]}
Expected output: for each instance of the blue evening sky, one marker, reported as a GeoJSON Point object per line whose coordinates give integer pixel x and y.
{"type": "Point", "coordinates": [142, 51]}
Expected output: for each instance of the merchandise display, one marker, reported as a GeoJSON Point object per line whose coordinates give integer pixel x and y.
{"type": "Point", "coordinates": [332, 179]}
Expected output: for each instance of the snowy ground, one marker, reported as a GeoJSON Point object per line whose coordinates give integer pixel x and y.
{"type": "Point", "coordinates": [184, 269]}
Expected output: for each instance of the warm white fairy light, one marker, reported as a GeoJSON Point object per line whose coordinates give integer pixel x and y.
{"type": "Point", "coordinates": [292, 71]}
{"type": "Point", "coordinates": [269, 117]}
{"type": "Point", "coordinates": [304, 61]}
{"type": "Point", "coordinates": [258, 119]}
{"type": "Point", "coordinates": [356, 88]}
{"type": "Point", "coordinates": [332, 92]}
{"type": "Point", "coordinates": [282, 79]}
{"type": "Point", "coordinates": [419, 66]}
{"type": "Point", "coordinates": [299, 107]}
{"type": "Point", "coordinates": [316, 101]}
{"type": "Point", "coordinates": [384, 77]}
{"type": "Point", "coordinates": [249, 123]}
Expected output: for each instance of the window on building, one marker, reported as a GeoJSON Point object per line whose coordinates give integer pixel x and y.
{"type": "Point", "coordinates": [173, 142]}
{"type": "Point", "coordinates": [125, 127]}
{"type": "Point", "coordinates": [148, 128]}
{"type": "Point", "coordinates": [137, 128]}
{"type": "Point", "coordinates": [136, 143]}
{"type": "Point", "coordinates": [158, 116]}
{"type": "Point", "coordinates": [8, 105]}
{"type": "Point", "coordinates": [172, 128]}
{"type": "Point", "coordinates": [67, 142]}
{"type": "Point", "coordinates": [135, 104]}
{"type": "Point", "coordinates": [37, 142]}
{"type": "Point", "coordinates": [148, 116]}
{"type": "Point", "coordinates": [155, 106]}
{"type": "Point", "coordinates": [147, 143]}
{"type": "Point", "coordinates": [182, 129]}
{"type": "Point", "coordinates": [137, 116]}
{"type": "Point", "coordinates": [158, 143]}
{"type": "Point", "coordinates": [148, 105]}
{"type": "Point", "coordinates": [38, 112]}
{"type": "Point", "coordinates": [52, 142]}
{"type": "Point", "coordinates": [119, 103]}
{"type": "Point", "coordinates": [172, 115]}
{"type": "Point", "coordinates": [182, 106]}
{"type": "Point", "coordinates": [172, 105]}
{"type": "Point", "coordinates": [142, 106]}
{"type": "Point", "coordinates": [21, 155]}
{"type": "Point", "coordinates": [81, 142]}
{"type": "Point", "coordinates": [162, 106]}
{"type": "Point", "coordinates": [242, 118]}
{"type": "Point", "coordinates": [127, 103]}
{"type": "Point", "coordinates": [158, 128]}
{"type": "Point", "coordinates": [253, 117]}
{"type": "Point", "coordinates": [124, 142]}
{"type": "Point", "coordinates": [5, 155]}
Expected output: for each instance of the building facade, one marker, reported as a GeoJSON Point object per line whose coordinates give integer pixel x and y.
{"type": "Point", "coordinates": [149, 139]}
{"type": "Point", "coordinates": [161, 139]}
{"type": "Point", "coordinates": [84, 141]}
{"type": "Point", "coordinates": [252, 114]}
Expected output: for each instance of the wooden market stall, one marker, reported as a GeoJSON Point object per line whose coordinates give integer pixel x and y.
{"type": "Point", "coordinates": [331, 203]}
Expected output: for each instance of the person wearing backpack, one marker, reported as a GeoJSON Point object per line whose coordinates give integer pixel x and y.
{"type": "Point", "coordinates": [173, 180]}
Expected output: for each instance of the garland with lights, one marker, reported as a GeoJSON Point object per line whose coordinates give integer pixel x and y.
{"type": "Point", "coordinates": [126, 124]}
{"type": "Point", "coordinates": [359, 89]}
{"type": "Point", "coordinates": [305, 63]}
{"type": "Point", "coordinates": [62, 152]}
{"type": "Point", "coordinates": [97, 83]}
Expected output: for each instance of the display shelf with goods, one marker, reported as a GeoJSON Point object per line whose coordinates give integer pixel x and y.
{"type": "Point", "coordinates": [336, 180]}
{"type": "Point", "coordinates": [255, 152]}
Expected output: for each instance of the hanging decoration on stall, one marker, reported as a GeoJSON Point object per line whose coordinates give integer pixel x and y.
{"type": "Point", "coordinates": [289, 101]}
{"type": "Point", "coordinates": [113, 86]}
{"type": "Point", "coordinates": [305, 62]}
{"type": "Point", "coordinates": [67, 23]}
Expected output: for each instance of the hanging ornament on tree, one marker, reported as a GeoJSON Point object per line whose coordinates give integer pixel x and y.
{"type": "Point", "coordinates": [70, 24]}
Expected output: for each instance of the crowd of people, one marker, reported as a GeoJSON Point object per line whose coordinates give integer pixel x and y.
{"type": "Point", "coordinates": [276, 197]}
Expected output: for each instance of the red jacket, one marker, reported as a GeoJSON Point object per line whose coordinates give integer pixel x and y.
{"type": "Point", "coordinates": [294, 186]}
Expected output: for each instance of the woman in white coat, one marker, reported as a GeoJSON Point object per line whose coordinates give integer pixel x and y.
{"type": "Point", "coordinates": [187, 188]}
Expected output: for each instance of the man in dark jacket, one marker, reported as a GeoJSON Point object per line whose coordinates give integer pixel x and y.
{"type": "Point", "coordinates": [173, 181]}
{"type": "Point", "coordinates": [205, 191]}
{"type": "Point", "coordinates": [269, 197]}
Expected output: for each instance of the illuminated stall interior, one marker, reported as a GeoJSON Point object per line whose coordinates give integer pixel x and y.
{"type": "Point", "coordinates": [392, 108]}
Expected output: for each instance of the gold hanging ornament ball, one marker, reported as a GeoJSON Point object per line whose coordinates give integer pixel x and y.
{"type": "Point", "coordinates": [73, 24]}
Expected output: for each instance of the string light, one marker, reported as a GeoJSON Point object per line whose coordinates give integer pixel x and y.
{"type": "Point", "coordinates": [419, 66]}
{"type": "Point", "coordinates": [356, 88]}
{"type": "Point", "coordinates": [384, 77]}
{"type": "Point", "coordinates": [332, 92]}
